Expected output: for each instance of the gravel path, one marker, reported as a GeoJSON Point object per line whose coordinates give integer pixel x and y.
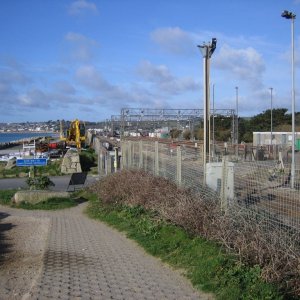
{"type": "Point", "coordinates": [66, 255]}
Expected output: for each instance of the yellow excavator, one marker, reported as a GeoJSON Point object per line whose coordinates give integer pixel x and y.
{"type": "Point", "coordinates": [75, 135]}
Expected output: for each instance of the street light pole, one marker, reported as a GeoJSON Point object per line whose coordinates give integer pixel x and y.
{"type": "Point", "coordinates": [271, 91]}
{"type": "Point", "coordinates": [237, 113]}
{"type": "Point", "coordinates": [291, 16]}
{"type": "Point", "coordinates": [213, 127]}
{"type": "Point", "coordinates": [207, 51]}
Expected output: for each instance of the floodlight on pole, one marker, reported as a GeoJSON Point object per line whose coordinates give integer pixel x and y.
{"type": "Point", "coordinates": [237, 121]}
{"type": "Point", "coordinates": [291, 16]}
{"type": "Point", "coordinates": [213, 126]}
{"type": "Point", "coordinates": [207, 50]}
{"type": "Point", "coordinates": [271, 93]}
{"type": "Point", "coordinates": [237, 113]}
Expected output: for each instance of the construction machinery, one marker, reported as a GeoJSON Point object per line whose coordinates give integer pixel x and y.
{"type": "Point", "coordinates": [75, 135]}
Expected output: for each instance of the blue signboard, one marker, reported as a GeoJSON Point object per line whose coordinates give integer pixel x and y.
{"type": "Point", "coordinates": [29, 162]}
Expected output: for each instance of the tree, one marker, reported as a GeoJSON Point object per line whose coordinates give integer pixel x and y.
{"type": "Point", "coordinates": [187, 134]}
{"type": "Point", "coordinates": [262, 121]}
{"type": "Point", "coordinates": [281, 121]}
{"type": "Point", "coordinates": [175, 133]}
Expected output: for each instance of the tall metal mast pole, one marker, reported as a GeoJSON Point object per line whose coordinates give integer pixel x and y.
{"type": "Point", "coordinates": [271, 91]}
{"type": "Point", "coordinates": [207, 51]}
{"type": "Point", "coordinates": [289, 15]}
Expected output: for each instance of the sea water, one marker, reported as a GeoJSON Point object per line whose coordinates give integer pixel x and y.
{"type": "Point", "coordinates": [17, 136]}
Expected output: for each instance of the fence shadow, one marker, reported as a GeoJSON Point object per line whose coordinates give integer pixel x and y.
{"type": "Point", "coordinates": [5, 246]}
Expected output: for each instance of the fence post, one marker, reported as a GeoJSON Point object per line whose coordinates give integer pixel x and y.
{"type": "Point", "coordinates": [140, 154]}
{"type": "Point", "coordinates": [129, 155]}
{"type": "Point", "coordinates": [116, 161]}
{"type": "Point", "coordinates": [100, 163]}
{"type": "Point", "coordinates": [108, 163]}
{"type": "Point", "coordinates": [204, 165]}
{"type": "Point", "coordinates": [178, 164]}
{"type": "Point", "coordinates": [107, 166]}
{"type": "Point", "coordinates": [156, 166]}
{"type": "Point", "coordinates": [146, 157]}
{"type": "Point", "coordinates": [223, 192]}
{"type": "Point", "coordinates": [121, 157]}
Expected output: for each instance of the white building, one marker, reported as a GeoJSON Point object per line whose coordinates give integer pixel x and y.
{"type": "Point", "coordinates": [278, 138]}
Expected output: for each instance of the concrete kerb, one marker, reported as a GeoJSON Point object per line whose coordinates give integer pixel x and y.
{"type": "Point", "coordinates": [37, 196]}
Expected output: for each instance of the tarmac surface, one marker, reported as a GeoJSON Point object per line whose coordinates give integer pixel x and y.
{"type": "Point", "coordinates": [61, 183]}
{"type": "Point", "coordinates": [80, 258]}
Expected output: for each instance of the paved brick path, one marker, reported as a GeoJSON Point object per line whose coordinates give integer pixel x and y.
{"type": "Point", "coordinates": [85, 259]}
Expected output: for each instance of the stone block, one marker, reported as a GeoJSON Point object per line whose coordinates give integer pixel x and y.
{"type": "Point", "coordinates": [75, 158]}
{"type": "Point", "coordinates": [10, 164]}
{"type": "Point", "coordinates": [37, 196]}
{"type": "Point", "coordinates": [71, 162]}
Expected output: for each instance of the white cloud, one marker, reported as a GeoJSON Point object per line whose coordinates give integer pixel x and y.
{"type": "Point", "coordinates": [164, 81]}
{"type": "Point", "coordinates": [81, 46]}
{"type": "Point", "coordinates": [110, 95]}
{"type": "Point", "coordinates": [244, 64]}
{"type": "Point", "coordinates": [13, 74]}
{"type": "Point", "coordinates": [65, 87]}
{"type": "Point", "coordinates": [88, 76]}
{"type": "Point", "coordinates": [34, 98]}
{"type": "Point", "coordinates": [79, 38]}
{"type": "Point", "coordinates": [174, 40]}
{"type": "Point", "coordinates": [13, 80]}
{"type": "Point", "coordinates": [81, 6]}
{"type": "Point", "coordinates": [154, 73]}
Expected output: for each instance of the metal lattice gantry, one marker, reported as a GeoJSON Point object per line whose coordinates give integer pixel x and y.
{"type": "Point", "coordinates": [115, 123]}
{"type": "Point", "coordinates": [150, 118]}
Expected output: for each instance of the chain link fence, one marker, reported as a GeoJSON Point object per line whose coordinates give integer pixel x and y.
{"type": "Point", "coordinates": [253, 180]}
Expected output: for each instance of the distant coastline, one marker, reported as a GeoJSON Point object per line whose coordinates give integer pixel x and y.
{"type": "Point", "coordinates": [29, 131]}
{"type": "Point", "coordinates": [8, 139]}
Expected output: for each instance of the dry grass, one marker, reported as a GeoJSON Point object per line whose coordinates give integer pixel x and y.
{"type": "Point", "coordinates": [253, 240]}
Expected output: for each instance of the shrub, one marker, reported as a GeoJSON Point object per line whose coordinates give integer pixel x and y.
{"type": "Point", "coordinates": [40, 183]}
{"type": "Point", "coordinates": [87, 159]}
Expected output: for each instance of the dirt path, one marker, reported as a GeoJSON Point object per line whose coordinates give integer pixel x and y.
{"type": "Point", "coordinates": [66, 255]}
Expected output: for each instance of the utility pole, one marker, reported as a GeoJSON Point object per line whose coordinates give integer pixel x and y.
{"type": "Point", "coordinates": [237, 113]}
{"type": "Point", "coordinates": [207, 50]}
{"type": "Point", "coordinates": [213, 125]}
{"type": "Point", "coordinates": [291, 16]}
{"type": "Point", "coordinates": [271, 93]}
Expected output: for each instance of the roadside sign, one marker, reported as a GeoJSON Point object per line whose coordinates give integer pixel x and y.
{"type": "Point", "coordinates": [29, 162]}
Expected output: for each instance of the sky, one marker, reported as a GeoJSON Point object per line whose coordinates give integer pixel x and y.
{"type": "Point", "coordinates": [87, 59]}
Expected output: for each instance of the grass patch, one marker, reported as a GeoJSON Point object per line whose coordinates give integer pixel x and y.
{"type": "Point", "coordinates": [54, 203]}
{"type": "Point", "coordinates": [50, 204]}
{"type": "Point", "coordinates": [6, 195]}
{"type": "Point", "coordinates": [208, 267]}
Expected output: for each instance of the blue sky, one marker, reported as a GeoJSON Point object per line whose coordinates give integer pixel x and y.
{"type": "Point", "coordinates": [64, 59]}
